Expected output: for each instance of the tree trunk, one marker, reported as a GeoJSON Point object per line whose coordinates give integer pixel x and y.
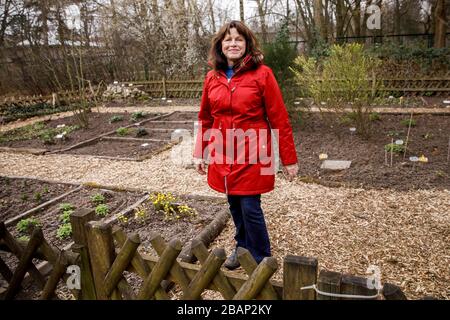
{"type": "Point", "coordinates": [262, 20]}
{"type": "Point", "coordinates": [318, 18]}
{"type": "Point", "coordinates": [241, 9]}
{"type": "Point", "coordinates": [440, 19]}
{"type": "Point", "coordinates": [357, 19]}
{"type": "Point", "coordinates": [340, 19]}
{"type": "Point", "coordinates": [211, 14]}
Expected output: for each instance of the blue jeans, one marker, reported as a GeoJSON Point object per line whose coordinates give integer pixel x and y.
{"type": "Point", "coordinates": [251, 230]}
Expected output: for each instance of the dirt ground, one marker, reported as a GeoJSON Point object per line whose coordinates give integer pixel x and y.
{"type": "Point", "coordinates": [20, 195]}
{"type": "Point", "coordinates": [430, 137]}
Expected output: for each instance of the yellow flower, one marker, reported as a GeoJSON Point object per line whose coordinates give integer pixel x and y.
{"type": "Point", "coordinates": [422, 158]}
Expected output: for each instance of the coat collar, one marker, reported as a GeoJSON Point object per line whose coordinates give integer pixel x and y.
{"type": "Point", "coordinates": [246, 64]}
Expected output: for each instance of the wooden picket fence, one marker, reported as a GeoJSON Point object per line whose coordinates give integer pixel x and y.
{"type": "Point", "coordinates": [104, 253]}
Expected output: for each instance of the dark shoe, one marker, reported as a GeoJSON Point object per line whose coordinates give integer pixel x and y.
{"type": "Point", "coordinates": [232, 261]}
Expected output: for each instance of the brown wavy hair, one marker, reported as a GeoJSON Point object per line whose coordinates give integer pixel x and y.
{"type": "Point", "coordinates": [218, 60]}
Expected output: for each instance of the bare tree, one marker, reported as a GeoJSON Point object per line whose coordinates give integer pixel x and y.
{"type": "Point", "coordinates": [440, 19]}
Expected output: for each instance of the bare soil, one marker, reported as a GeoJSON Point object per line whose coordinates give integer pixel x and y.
{"type": "Point", "coordinates": [99, 123]}
{"type": "Point", "coordinates": [20, 195]}
{"type": "Point", "coordinates": [119, 149]}
{"type": "Point", "coordinates": [430, 137]}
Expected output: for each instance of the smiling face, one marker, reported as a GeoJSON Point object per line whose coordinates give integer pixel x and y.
{"type": "Point", "coordinates": [233, 46]}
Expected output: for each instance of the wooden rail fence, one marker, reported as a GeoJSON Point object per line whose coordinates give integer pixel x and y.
{"type": "Point", "coordinates": [103, 253]}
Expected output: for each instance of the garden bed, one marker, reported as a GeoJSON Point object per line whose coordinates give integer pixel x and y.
{"type": "Point", "coordinates": [49, 217]}
{"type": "Point", "coordinates": [20, 195]}
{"type": "Point", "coordinates": [185, 228]}
{"type": "Point", "coordinates": [130, 150]}
{"type": "Point", "coordinates": [42, 135]}
{"type": "Point", "coordinates": [143, 219]}
{"type": "Point", "coordinates": [429, 137]}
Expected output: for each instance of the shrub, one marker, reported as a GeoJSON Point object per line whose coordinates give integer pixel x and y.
{"type": "Point", "coordinates": [342, 80]}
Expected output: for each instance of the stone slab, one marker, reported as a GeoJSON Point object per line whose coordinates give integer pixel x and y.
{"type": "Point", "coordinates": [336, 164]}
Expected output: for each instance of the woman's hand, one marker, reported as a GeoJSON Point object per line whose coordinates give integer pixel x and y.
{"type": "Point", "coordinates": [200, 166]}
{"type": "Point", "coordinates": [291, 171]}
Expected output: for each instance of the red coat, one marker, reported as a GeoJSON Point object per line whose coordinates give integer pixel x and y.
{"type": "Point", "coordinates": [252, 99]}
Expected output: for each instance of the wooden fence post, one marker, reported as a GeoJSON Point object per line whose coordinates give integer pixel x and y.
{"type": "Point", "coordinates": [101, 253]}
{"type": "Point", "coordinates": [329, 282]}
{"type": "Point", "coordinates": [24, 262]}
{"type": "Point", "coordinates": [356, 286]}
{"type": "Point", "coordinates": [257, 280]}
{"type": "Point", "coordinates": [299, 272]}
{"type": "Point", "coordinates": [249, 264]}
{"type": "Point", "coordinates": [78, 220]}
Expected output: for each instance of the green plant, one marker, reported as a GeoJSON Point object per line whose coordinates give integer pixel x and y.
{"type": "Point", "coordinates": [102, 210]}
{"type": "Point", "coordinates": [136, 116]}
{"type": "Point", "coordinates": [440, 174]}
{"type": "Point", "coordinates": [345, 77]}
{"type": "Point", "coordinates": [172, 210]}
{"type": "Point", "coordinates": [37, 196]}
{"type": "Point", "coordinates": [65, 216]}
{"type": "Point", "coordinates": [396, 148]}
{"type": "Point", "coordinates": [122, 219]}
{"type": "Point", "coordinates": [122, 131]}
{"type": "Point", "coordinates": [45, 190]}
{"type": "Point", "coordinates": [115, 118]}
{"type": "Point", "coordinates": [66, 207]}
{"type": "Point", "coordinates": [394, 133]}
{"type": "Point", "coordinates": [24, 197]}
{"type": "Point", "coordinates": [24, 238]}
{"type": "Point", "coordinates": [374, 116]}
{"type": "Point", "coordinates": [97, 199]}
{"type": "Point", "coordinates": [25, 226]}
{"type": "Point", "coordinates": [64, 231]}
{"type": "Point", "coordinates": [140, 214]}
{"type": "Point", "coordinates": [140, 132]}
{"type": "Point", "coordinates": [348, 119]}
{"type": "Point", "coordinates": [406, 122]}
{"type": "Point", "coordinates": [47, 137]}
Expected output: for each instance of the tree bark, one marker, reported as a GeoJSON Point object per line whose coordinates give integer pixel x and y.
{"type": "Point", "coordinates": [440, 19]}
{"type": "Point", "coordinates": [241, 9]}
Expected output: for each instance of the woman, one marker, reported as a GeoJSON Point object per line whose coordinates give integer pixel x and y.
{"type": "Point", "coordinates": [241, 103]}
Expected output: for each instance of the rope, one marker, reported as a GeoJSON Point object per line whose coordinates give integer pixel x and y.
{"type": "Point", "coordinates": [337, 295]}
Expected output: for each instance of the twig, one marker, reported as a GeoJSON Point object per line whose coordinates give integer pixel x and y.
{"type": "Point", "coordinates": [392, 149]}
{"type": "Point", "coordinates": [407, 136]}
{"type": "Point", "coordinates": [448, 150]}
